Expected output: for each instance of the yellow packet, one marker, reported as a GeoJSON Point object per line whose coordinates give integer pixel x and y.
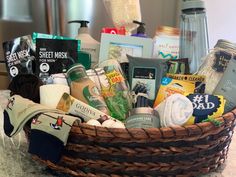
{"type": "Point", "coordinates": [170, 86]}
{"type": "Point", "coordinates": [198, 80]}
{"type": "Point", "coordinates": [205, 106]}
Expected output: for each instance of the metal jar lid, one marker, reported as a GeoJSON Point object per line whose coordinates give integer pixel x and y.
{"type": "Point", "coordinates": [192, 4]}
{"type": "Point", "coordinates": [76, 71]}
{"type": "Point", "coordinates": [224, 44]}
{"type": "Point", "coordinates": [168, 30]}
{"type": "Point", "coordinates": [143, 110]}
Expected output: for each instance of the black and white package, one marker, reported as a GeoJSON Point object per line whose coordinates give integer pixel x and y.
{"type": "Point", "coordinates": [19, 55]}
{"type": "Point", "coordinates": [54, 56]}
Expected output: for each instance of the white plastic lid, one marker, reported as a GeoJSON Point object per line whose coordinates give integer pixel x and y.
{"type": "Point", "coordinates": [192, 4]}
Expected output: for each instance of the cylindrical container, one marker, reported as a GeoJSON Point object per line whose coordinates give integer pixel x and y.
{"type": "Point", "coordinates": [143, 117]}
{"type": "Point", "coordinates": [166, 43]}
{"type": "Point", "coordinates": [115, 89]}
{"type": "Point", "coordinates": [194, 43]}
{"type": "Point", "coordinates": [216, 62]}
{"type": "Point", "coordinates": [51, 94]}
{"type": "Point", "coordinates": [94, 77]}
{"type": "Point", "coordinates": [84, 89]}
{"type": "Point", "coordinates": [59, 78]}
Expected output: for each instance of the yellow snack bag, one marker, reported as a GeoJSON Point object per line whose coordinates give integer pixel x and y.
{"type": "Point", "coordinates": [198, 80]}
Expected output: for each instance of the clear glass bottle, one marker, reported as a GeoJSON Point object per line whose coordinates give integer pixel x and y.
{"type": "Point", "coordinates": [194, 43]}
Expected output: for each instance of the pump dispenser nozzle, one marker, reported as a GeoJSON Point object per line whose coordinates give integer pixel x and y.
{"type": "Point", "coordinates": [140, 30]}
{"type": "Point", "coordinates": [83, 26]}
{"type": "Point", "coordinates": [83, 23]}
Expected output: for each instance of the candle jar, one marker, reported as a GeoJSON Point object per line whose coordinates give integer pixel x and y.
{"type": "Point", "coordinates": [143, 117]}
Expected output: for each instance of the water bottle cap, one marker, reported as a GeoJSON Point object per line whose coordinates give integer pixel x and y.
{"type": "Point", "coordinates": [193, 4]}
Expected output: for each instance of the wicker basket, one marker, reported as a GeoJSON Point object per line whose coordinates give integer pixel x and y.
{"type": "Point", "coordinates": [174, 151]}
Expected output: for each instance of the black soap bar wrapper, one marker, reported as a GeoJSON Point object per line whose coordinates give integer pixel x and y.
{"type": "Point", "coordinates": [147, 72]}
{"type": "Point", "coordinates": [19, 54]}
{"type": "Point", "coordinates": [54, 56]}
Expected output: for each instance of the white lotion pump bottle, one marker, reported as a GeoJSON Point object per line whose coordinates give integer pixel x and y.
{"type": "Point", "coordinates": [88, 43]}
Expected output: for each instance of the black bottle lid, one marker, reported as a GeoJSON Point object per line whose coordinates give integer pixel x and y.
{"type": "Point", "coordinates": [83, 23]}
{"type": "Point", "coordinates": [141, 29]}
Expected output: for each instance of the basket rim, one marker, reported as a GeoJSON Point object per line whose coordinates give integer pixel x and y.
{"type": "Point", "coordinates": [186, 132]}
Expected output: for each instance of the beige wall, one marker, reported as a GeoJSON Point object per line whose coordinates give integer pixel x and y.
{"type": "Point", "coordinates": [159, 12]}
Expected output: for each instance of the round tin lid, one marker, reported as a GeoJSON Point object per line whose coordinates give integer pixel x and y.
{"type": "Point", "coordinates": [143, 110]}
{"type": "Point", "coordinates": [168, 30]}
{"type": "Point", "coordinates": [76, 71]}
{"type": "Point", "coordinates": [222, 43]}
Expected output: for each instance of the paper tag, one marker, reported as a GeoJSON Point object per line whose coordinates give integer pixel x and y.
{"type": "Point", "coordinates": [221, 61]}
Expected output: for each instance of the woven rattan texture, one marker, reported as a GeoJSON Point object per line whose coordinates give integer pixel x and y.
{"type": "Point", "coordinates": [175, 151]}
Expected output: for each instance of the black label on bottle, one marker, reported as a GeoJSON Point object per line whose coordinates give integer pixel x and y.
{"type": "Point", "coordinates": [221, 61]}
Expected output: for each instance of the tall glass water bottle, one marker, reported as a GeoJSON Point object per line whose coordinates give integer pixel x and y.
{"type": "Point", "coordinates": [194, 43]}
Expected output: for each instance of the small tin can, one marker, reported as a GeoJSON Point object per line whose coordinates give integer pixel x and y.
{"type": "Point", "coordinates": [143, 117]}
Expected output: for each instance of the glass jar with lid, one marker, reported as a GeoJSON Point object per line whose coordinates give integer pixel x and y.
{"type": "Point", "coordinates": [216, 62]}
{"type": "Point", "coordinates": [166, 43]}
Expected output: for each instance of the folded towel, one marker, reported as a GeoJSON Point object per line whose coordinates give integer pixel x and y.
{"type": "Point", "coordinates": [174, 110]}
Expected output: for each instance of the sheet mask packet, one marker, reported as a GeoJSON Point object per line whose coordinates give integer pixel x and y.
{"type": "Point", "coordinates": [205, 106]}
{"type": "Point", "coordinates": [148, 72]}
{"type": "Point", "coordinates": [49, 36]}
{"type": "Point", "coordinates": [83, 57]}
{"type": "Point", "coordinates": [178, 66]}
{"type": "Point", "coordinates": [19, 54]}
{"type": "Point", "coordinates": [198, 80]}
{"type": "Point", "coordinates": [54, 56]}
{"type": "Point", "coordinates": [170, 86]}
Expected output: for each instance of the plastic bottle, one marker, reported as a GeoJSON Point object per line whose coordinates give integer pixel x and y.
{"type": "Point", "coordinates": [88, 43]}
{"type": "Point", "coordinates": [84, 89]}
{"type": "Point", "coordinates": [140, 30]}
{"type": "Point", "coordinates": [194, 43]}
